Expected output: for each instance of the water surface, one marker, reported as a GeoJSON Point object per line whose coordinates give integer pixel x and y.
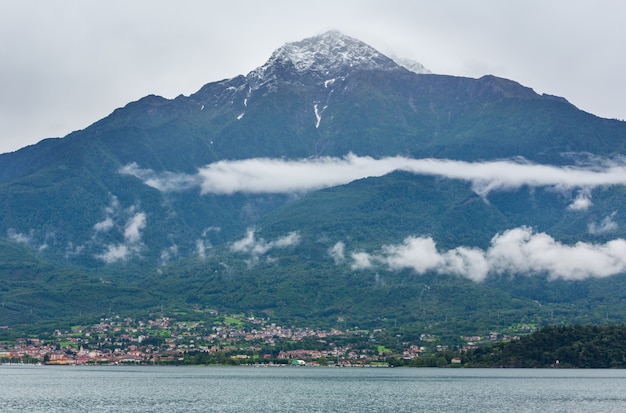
{"type": "Point", "coordinates": [54, 389]}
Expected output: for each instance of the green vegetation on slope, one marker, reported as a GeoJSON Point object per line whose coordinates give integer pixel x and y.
{"type": "Point", "coordinates": [552, 346]}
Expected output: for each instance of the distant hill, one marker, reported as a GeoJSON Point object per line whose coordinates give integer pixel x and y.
{"type": "Point", "coordinates": [561, 347]}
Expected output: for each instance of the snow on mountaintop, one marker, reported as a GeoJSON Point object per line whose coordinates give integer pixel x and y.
{"type": "Point", "coordinates": [411, 65]}
{"type": "Point", "coordinates": [330, 52]}
{"type": "Point", "coordinates": [326, 56]}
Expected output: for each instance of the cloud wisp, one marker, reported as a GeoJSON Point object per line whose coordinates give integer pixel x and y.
{"type": "Point", "coordinates": [606, 226]}
{"type": "Point", "coordinates": [132, 241]}
{"type": "Point", "coordinates": [39, 243]}
{"type": "Point", "coordinates": [256, 247]}
{"type": "Point", "coordinates": [338, 252]}
{"type": "Point", "coordinates": [19, 237]}
{"type": "Point", "coordinates": [582, 201]}
{"type": "Point", "coordinates": [134, 224]}
{"type": "Point", "coordinates": [517, 251]}
{"type": "Point", "coordinates": [163, 181]}
{"type": "Point", "coordinates": [267, 175]}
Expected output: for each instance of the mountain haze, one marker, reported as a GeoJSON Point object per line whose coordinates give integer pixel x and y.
{"type": "Point", "coordinates": [328, 182]}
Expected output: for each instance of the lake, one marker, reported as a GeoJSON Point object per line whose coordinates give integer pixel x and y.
{"type": "Point", "coordinates": [53, 389]}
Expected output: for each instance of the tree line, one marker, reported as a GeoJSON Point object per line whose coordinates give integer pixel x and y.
{"type": "Point", "coordinates": [557, 346]}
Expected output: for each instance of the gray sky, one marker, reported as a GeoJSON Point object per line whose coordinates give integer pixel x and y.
{"type": "Point", "coordinates": [64, 64]}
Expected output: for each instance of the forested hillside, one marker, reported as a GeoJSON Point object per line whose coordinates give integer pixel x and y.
{"type": "Point", "coordinates": [569, 346]}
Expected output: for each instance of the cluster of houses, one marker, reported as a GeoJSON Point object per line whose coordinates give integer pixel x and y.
{"type": "Point", "coordinates": [159, 340]}
{"type": "Point", "coordinates": [166, 340]}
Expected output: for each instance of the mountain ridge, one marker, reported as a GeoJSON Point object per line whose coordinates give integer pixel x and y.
{"type": "Point", "coordinates": [132, 197]}
{"type": "Point", "coordinates": [220, 122]}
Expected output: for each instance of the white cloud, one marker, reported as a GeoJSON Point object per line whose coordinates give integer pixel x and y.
{"type": "Point", "coordinates": [168, 253]}
{"type": "Point", "coordinates": [210, 229]}
{"type": "Point", "coordinates": [134, 226]}
{"type": "Point", "coordinates": [72, 250]}
{"type": "Point", "coordinates": [512, 174]}
{"type": "Point", "coordinates": [522, 251]}
{"type": "Point", "coordinates": [163, 181]}
{"type": "Point", "coordinates": [607, 225]}
{"type": "Point", "coordinates": [132, 240]}
{"type": "Point", "coordinates": [582, 201]}
{"type": "Point", "coordinates": [105, 225]}
{"type": "Point", "coordinates": [249, 244]}
{"type": "Point", "coordinates": [256, 247]}
{"type": "Point", "coordinates": [264, 175]}
{"type": "Point", "coordinates": [516, 251]}
{"type": "Point", "coordinates": [289, 240]}
{"type": "Point", "coordinates": [33, 239]}
{"type": "Point", "coordinates": [420, 254]}
{"type": "Point", "coordinates": [361, 261]}
{"type": "Point", "coordinates": [19, 237]}
{"type": "Point", "coordinates": [114, 253]}
{"type": "Point", "coordinates": [337, 252]}
{"type": "Point", "coordinates": [467, 262]}
{"type": "Point", "coordinates": [110, 211]}
{"type": "Point", "coordinates": [113, 206]}
{"type": "Point", "coordinates": [202, 247]}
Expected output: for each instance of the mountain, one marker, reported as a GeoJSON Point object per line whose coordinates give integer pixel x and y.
{"type": "Point", "coordinates": [329, 182]}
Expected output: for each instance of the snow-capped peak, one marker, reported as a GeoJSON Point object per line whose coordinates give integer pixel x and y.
{"type": "Point", "coordinates": [412, 65]}
{"type": "Point", "coordinates": [330, 52]}
{"type": "Point", "coordinates": [329, 55]}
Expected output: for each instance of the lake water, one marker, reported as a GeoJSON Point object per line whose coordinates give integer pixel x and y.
{"type": "Point", "coordinates": [53, 389]}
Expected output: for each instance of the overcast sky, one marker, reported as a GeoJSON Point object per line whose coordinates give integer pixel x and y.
{"type": "Point", "coordinates": [64, 64]}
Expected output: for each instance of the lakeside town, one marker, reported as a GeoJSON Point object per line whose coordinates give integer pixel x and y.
{"type": "Point", "coordinates": [230, 339]}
